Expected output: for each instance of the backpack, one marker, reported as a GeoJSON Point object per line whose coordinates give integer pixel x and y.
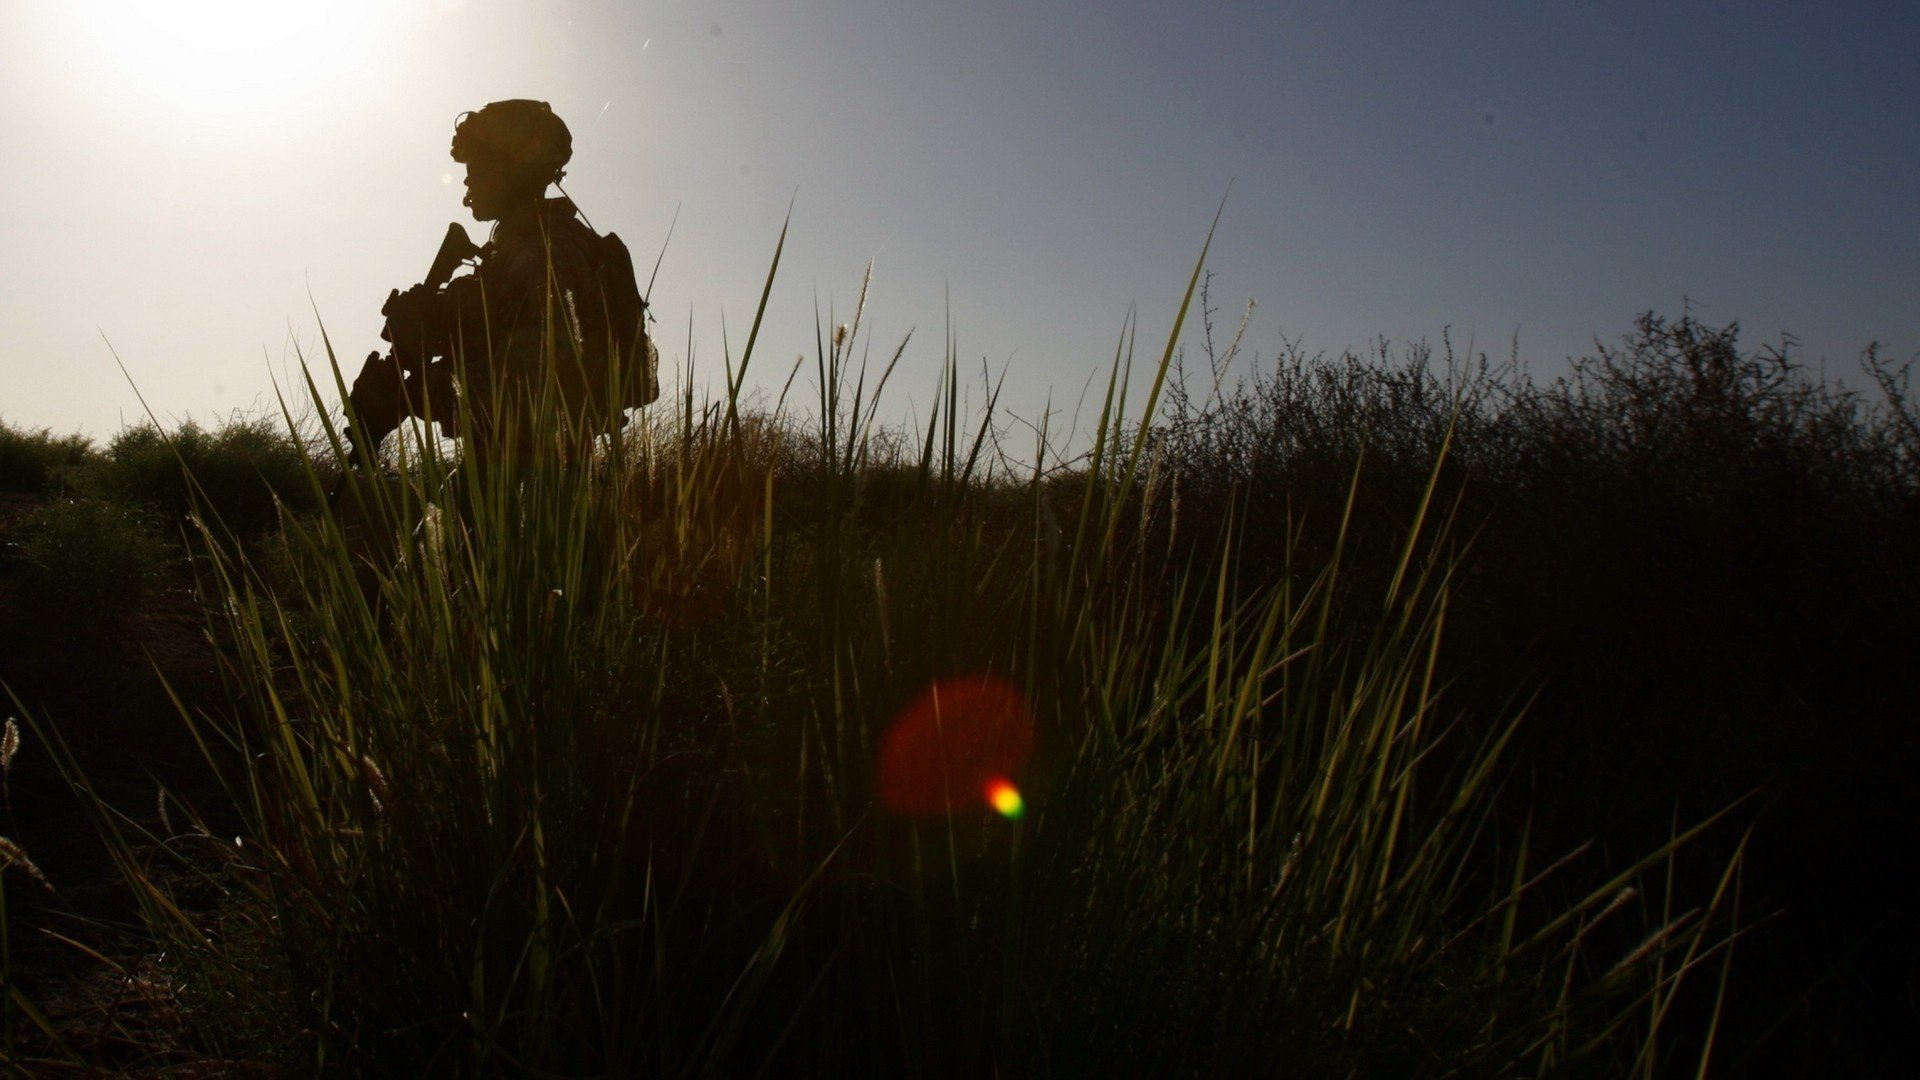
{"type": "Point", "coordinates": [635, 376]}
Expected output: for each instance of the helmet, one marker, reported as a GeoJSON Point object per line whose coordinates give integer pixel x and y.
{"type": "Point", "coordinates": [521, 134]}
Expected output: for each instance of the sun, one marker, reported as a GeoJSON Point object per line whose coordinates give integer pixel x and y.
{"type": "Point", "coordinates": [229, 26]}
{"type": "Point", "coordinates": [234, 59]}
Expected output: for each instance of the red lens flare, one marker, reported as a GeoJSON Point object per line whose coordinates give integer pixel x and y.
{"type": "Point", "coordinates": [954, 748]}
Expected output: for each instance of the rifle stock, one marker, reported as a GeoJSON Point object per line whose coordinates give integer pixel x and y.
{"type": "Point", "coordinates": [455, 248]}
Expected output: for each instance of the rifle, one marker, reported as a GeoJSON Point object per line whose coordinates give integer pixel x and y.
{"type": "Point", "coordinates": [414, 327]}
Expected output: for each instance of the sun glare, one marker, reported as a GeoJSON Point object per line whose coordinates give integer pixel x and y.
{"type": "Point", "coordinates": [225, 26]}
{"type": "Point", "coordinates": [234, 58]}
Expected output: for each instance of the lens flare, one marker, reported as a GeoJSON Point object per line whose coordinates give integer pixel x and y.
{"type": "Point", "coordinates": [950, 750]}
{"type": "Point", "coordinates": [1005, 799]}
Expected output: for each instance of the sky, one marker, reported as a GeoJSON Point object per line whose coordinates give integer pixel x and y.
{"type": "Point", "coordinates": [193, 192]}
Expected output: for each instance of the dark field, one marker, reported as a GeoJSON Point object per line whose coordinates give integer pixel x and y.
{"type": "Point", "coordinates": [1395, 715]}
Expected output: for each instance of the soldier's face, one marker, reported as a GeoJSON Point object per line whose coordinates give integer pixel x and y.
{"type": "Point", "coordinates": [483, 190]}
{"type": "Point", "coordinates": [493, 191]}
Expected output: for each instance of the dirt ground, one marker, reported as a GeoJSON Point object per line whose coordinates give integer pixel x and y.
{"type": "Point", "coordinates": [74, 947]}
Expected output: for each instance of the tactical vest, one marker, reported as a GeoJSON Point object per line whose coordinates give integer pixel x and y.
{"type": "Point", "coordinates": [594, 334]}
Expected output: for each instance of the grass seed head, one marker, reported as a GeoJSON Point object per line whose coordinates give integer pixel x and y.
{"type": "Point", "coordinates": [376, 783]}
{"type": "Point", "coordinates": [12, 854]}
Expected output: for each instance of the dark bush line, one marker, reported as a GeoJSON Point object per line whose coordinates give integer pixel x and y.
{"type": "Point", "coordinates": [239, 470]}
{"type": "Point", "coordinates": [1705, 558]}
{"type": "Point", "coordinates": [83, 566]}
{"type": "Point", "coordinates": [36, 462]}
{"type": "Point", "coordinates": [88, 532]}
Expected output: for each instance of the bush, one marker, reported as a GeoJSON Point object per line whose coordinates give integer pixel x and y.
{"type": "Point", "coordinates": [1678, 521]}
{"type": "Point", "coordinates": [1706, 559]}
{"type": "Point", "coordinates": [84, 566]}
{"type": "Point", "coordinates": [39, 461]}
{"type": "Point", "coordinates": [237, 474]}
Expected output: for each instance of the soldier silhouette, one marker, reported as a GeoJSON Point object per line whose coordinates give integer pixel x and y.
{"type": "Point", "coordinates": [543, 344]}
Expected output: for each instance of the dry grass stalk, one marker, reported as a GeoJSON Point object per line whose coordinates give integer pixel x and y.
{"type": "Point", "coordinates": [12, 854]}
{"type": "Point", "coordinates": [9, 744]}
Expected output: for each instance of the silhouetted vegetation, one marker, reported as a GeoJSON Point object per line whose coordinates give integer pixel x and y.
{"type": "Point", "coordinates": [1338, 671]}
{"type": "Point", "coordinates": [1705, 563]}
{"type": "Point", "coordinates": [91, 530]}
{"type": "Point", "coordinates": [239, 471]}
{"type": "Point", "coordinates": [38, 461]}
{"type": "Point", "coordinates": [83, 565]}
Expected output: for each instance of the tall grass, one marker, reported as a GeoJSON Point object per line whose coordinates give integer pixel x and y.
{"type": "Point", "coordinates": [561, 767]}
{"type": "Point", "coordinates": [1704, 554]}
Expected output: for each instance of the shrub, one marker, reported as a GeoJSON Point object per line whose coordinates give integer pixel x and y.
{"type": "Point", "coordinates": [1706, 559]}
{"type": "Point", "coordinates": [39, 461]}
{"type": "Point", "coordinates": [84, 566]}
{"type": "Point", "coordinates": [237, 473]}
{"type": "Point", "coordinates": [1678, 520]}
